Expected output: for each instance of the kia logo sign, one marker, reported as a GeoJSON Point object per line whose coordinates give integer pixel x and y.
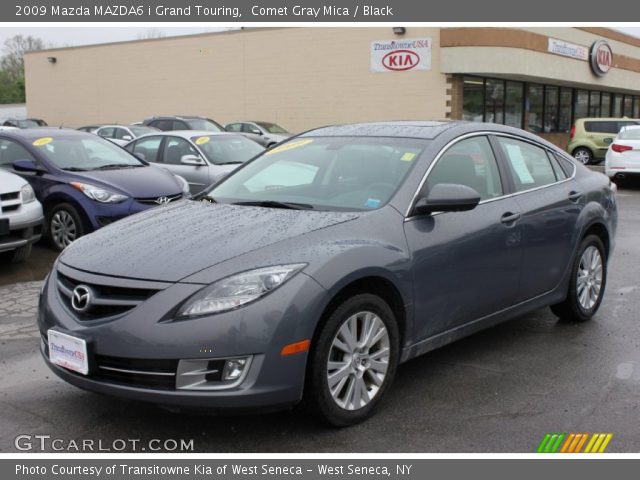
{"type": "Point", "coordinates": [601, 58]}
{"type": "Point", "coordinates": [400, 60]}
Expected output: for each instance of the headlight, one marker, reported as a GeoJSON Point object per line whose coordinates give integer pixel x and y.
{"type": "Point", "coordinates": [237, 290]}
{"type": "Point", "coordinates": [99, 194]}
{"type": "Point", "coordinates": [27, 194]}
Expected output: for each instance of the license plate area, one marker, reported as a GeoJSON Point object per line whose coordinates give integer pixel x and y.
{"type": "Point", "coordinates": [68, 351]}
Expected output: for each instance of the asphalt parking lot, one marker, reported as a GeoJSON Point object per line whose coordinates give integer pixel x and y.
{"type": "Point", "coordinates": [497, 391]}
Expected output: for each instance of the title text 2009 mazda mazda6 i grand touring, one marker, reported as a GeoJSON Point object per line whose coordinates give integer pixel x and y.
{"type": "Point", "coordinates": [319, 266]}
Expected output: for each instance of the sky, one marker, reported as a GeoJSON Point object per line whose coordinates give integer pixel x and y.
{"type": "Point", "coordinates": [66, 36]}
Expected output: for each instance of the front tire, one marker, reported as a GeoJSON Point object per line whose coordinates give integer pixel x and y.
{"type": "Point", "coordinates": [354, 360]}
{"type": "Point", "coordinates": [64, 225]}
{"type": "Point", "coordinates": [583, 155]}
{"type": "Point", "coordinates": [587, 284]}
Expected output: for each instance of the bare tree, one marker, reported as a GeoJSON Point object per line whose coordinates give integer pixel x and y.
{"type": "Point", "coordinates": [14, 48]}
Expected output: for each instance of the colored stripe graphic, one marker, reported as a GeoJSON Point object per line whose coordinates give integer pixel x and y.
{"type": "Point", "coordinates": [573, 442]}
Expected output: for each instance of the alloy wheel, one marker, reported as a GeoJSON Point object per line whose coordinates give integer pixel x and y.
{"type": "Point", "coordinates": [358, 360]}
{"type": "Point", "coordinates": [582, 156]}
{"type": "Point", "coordinates": [63, 229]}
{"type": "Point", "coordinates": [589, 279]}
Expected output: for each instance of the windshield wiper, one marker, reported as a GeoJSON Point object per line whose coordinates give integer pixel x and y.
{"type": "Point", "coordinates": [276, 204]}
{"type": "Point", "coordinates": [113, 166]}
{"type": "Point", "coordinates": [74, 169]}
{"type": "Point", "coordinates": [229, 163]}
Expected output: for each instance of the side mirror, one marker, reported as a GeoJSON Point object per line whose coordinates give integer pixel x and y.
{"type": "Point", "coordinates": [255, 131]}
{"type": "Point", "coordinates": [25, 165]}
{"type": "Point", "coordinates": [193, 160]}
{"type": "Point", "coordinates": [127, 137]}
{"type": "Point", "coordinates": [447, 197]}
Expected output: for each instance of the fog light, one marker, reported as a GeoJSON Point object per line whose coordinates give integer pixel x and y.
{"type": "Point", "coordinates": [233, 368]}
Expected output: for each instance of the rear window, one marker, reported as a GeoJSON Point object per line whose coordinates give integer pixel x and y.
{"type": "Point", "coordinates": [630, 134]}
{"type": "Point", "coordinates": [601, 127]}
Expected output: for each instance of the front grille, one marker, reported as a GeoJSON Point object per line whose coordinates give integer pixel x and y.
{"type": "Point", "coordinates": [10, 208]}
{"type": "Point", "coordinates": [159, 200]}
{"type": "Point", "coordinates": [9, 196]}
{"type": "Point", "coordinates": [105, 300]}
{"type": "Point", "coordinates": [160, 374]}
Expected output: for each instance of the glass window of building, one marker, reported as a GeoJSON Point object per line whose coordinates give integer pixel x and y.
{"type": "Point", "coordinates": [564, 121]}
{"type": "Point", "coordinates": [513, 104]}
{"type": "Point", "coordinates": [581, 108]}
{"type": "Point", "coordinates": [605, 104]}
{"type": "Point", "coordinates": [628, 106]}
{"type": "Point", "coordinates": [551, 109]}
{"type": "Point", "coordinates": [617, 106]}
{"type": "Point", "coordinates": [535, 95]}
{"type": "Point", "coordinates": [594, 104]}
{"type": "Point", "coordinates": [636, 108]}
{"type": "Point", "coordinates": [473, 99]}
{"type": "Point", "coordinates": [494, 101]}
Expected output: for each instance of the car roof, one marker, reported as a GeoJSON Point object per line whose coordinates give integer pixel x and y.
{"type": "Point", "coordinates": [188, 134]}
{"type": "Point", "coordinates": [401, 129]}
{"type": "Point", "coordinates": [33, 133]}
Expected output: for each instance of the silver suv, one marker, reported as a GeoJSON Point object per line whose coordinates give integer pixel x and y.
{"type": "Point", "coordinates": [20, 217]}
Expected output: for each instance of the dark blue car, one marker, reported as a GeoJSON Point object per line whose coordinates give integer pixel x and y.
{"type": "Point", "coordinates": [83, 181]}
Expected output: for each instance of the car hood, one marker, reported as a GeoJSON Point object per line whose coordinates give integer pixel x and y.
{"type": "Point", "coordinates": [172, 242]}
{"type": "Point", "coordinates": [141, 182]}
{"type": "Point", "coordinates": [10, 182]}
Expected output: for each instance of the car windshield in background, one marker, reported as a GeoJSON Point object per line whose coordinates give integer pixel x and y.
{"type": "Point", "coordinates": [271, 127]}
{"type": "Point", "coordinates": [78, 154]}
{"type": "Point", "coordinates": [630, 134]}
{"type": "Point", "coordinates": [223, 149]}
{"type": "Point", "coordinates": [331, 173]}
{"type": "Point", "coordinates": [139, 131]}
{"type": "Point", "coordinates": [27, 124]}
{"type": "Point", "coordinates": [207, 125]}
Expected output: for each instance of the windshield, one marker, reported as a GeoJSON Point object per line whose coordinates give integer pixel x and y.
{"type": "Point", "coordinates": [332, 173]}
{"type": "Point", "coordinates": [630, 134]}
{"type": "Point", "coordinates": [27, 124]}
{"type": "Point", "coordinates": [139, 131]}
{"type": "Point", "coordinates": [202, 124]}
{"type": "Point", "coordinates": [82, 153]}
{"type": "Point", "coordinates": [227, 149]}
{"type": "Point", "coordinates": [271, 127]}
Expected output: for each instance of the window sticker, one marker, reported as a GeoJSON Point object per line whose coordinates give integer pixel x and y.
{"type": "Point", "coordinates": [372, 203]}
{"type": "Point", "coordinates": [42, 141]}
{"type": "Point", "coordinates": [519, 165]}
{"type": "Point", "coordinates": [202, 140]}
{"type": "Point", "coordinates": [407, 157]}
{"type": "Point", "coordinates": [289, 146]}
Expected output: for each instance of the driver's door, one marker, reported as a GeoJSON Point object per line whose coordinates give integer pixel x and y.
{"type": "Point", "coordinates": [466, 265]}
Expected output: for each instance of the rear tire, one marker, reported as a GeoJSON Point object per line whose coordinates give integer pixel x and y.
{"type": "Point", "coordinates": [583, 155]}
{"type": "Point", "coordinates": [349, 374]}
{"type": "Point", "coordinates": [587, 283]}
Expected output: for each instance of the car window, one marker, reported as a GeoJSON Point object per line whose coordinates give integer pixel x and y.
{"type": "Point", "coordinates": [469, 162]}
{"type": "Point", "coordinates": [557, 169]}
{"type": "Point", "coordinates": [602, 127]}
{"type": "Point", "coordinates": [624, 124]}
{"type": "Point", "coordinates": [630, 134]}
{"type": "Point", "coordinates": [120, 133]}
{"type": "Point", "coordinates": [106, 132]}
{"type": "Point", "coordinates": [234, 127]}
{"type": "Point", "coordinates": [204, 124]}
{"type": "Point", "coordinates": [529, 165]}
{"type": "Point", "coordinates": [175, 148]}
{"type": "Point", "coordinates": [248, 128]}
{"type": "Point", "coordinates": [227, 149]}
{"type": "Point", "coordinates": [567, 165]}
{"type": "Point", "coordinates": [164, 125]}
{"type": "Point", "coordinates": [147, 148]}
{"type": "Point", "coordinates": [89, 152]}
{"type": "Point", "coordinates": [180, 125]}
{"type": "Point", "coordinates": [11, 151]}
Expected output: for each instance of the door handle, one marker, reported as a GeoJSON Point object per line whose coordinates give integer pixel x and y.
{"type": "Point", "coordinates": [510, 217]}
{"type": "Point", "coordinates": [575, 196]}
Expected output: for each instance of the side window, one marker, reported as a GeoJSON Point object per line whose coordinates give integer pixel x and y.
{"type": "Point", "coordinates": [234, 127]}
{"type": "Point", "coordinates": [11, 151]}
{"type": "Point", "coordinates": [120, 133]}
{"type": "Point", "coordinates": [148, 148]}
{"type": "Point", "coordinates": [469, 162]}
{"type": "Point", "coordinates": [557, 169]}
{"type": "Point", "coordinates": [530, 166]}
{"type": "Point", "coordinates": [180, 125]}
{"type": "Point", "coordinates": [175, 148]}
{"type": "Point", "coordinates": [248, 128]}
{"type": "Point", "coordinates": [601, 127]}
{"type": "Point", "coordinates": [163, 125]}
{"type": "Point", "coordinates": [567, 165]}
{"type": "Point", "coordinates": [106, 132]}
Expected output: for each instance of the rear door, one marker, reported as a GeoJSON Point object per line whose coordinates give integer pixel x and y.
{"type": "Point", "coordinates": [550, 202]}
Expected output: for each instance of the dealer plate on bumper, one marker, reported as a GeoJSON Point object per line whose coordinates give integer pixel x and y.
{"type": "Point", "coordinates": [68, 351]}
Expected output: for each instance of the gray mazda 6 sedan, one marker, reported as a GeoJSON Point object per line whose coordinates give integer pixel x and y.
{"type": "Point", "coordinates": [315, 269]}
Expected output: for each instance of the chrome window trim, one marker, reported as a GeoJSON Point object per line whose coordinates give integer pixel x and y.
{"type": "Point", "coordinates": [488, 200]}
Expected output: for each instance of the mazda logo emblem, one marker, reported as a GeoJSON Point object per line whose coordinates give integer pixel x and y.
{"type": "Point", "coordinates": [162, 200]}
{"type": "Point", "coordinates": [81, 298]}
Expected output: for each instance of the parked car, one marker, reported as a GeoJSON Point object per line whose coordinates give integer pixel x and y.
{"type": "Point", "coordinates": [623, 156]}
{"type": "Point", "coordinates": [20, 217]}
{"type": "Point", "coordinates": [123, 134]}
{"type": "Point", "coordinates": [183, 122]}
{"type": "Point", "coordinates": [24, 122]}
{"type": "Point", "coordinates": [384, 242]}
{"type": "Point", "coordinates": [83, 181]}
{"type": "Point", "coordinates": [266, 134]}
{"type": "Point", "coordinates": [90, 128]}
{"type": "Point", "coordinates": [200, 157]}
{"type": "Point", "coordinates": [590, 138]}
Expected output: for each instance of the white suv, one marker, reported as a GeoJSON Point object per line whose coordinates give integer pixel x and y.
{"type": "Point", "coordinates": [20, 217]}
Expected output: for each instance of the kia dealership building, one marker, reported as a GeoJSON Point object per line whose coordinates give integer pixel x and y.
{"type": "Point", "coordinates": [539, 79]}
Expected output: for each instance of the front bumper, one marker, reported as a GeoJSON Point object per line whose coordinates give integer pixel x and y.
{"type": "Point", "coordinates": [103, 214]}
{"type": "Point", "coordinates": [147, 332]}
{"type": "Point", "coordinates": [25, 226]}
